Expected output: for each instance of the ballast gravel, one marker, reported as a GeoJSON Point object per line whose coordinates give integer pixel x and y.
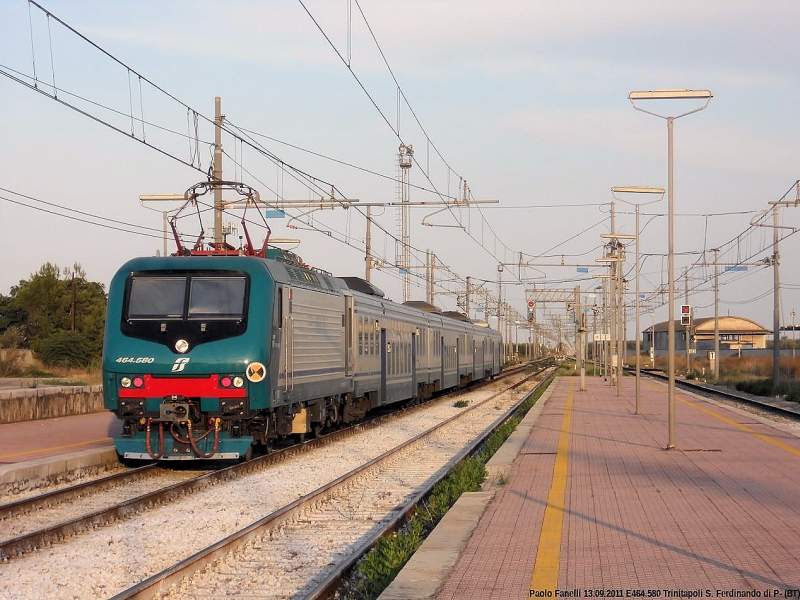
{"type": "Point", "coordinates": [107, 561]}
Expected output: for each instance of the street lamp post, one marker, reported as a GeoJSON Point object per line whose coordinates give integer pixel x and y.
{"type": "Point", "coordinates": [637, 190]}
{"type": "Point", "coordinates": [670, 94]}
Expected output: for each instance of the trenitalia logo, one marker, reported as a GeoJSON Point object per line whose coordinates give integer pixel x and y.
{"type": "Point", "coordinates": [180, 364]}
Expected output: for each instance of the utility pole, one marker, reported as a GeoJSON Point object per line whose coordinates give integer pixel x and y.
{"type": "Point", "coordinates": [405, 159]}
{"type": "Point", "coordinates": [776, 261]}
{"type": "Point", "coordinates": [219, 207]}
{"type": "Point", "coordinates": [499, 297]}
{"type": "Point", "coordinates": [621, 350]}
{"type": "Point", "coordinates": [72, 308]}
{"type": "Point", "coordinates": [776, 308]}
{"type": "Point", "coordinates": [467, 295]}
{"type": "Point", "coordinates": [580, 336]}
{"type": "Point", "coordinates": [613, 282]}
{"type": "Point", "coordinates": [368, 258]}
{"type": "Point", "coordinates": [688, 329]}
{"type": "Point", "coordinates": [428, 277]}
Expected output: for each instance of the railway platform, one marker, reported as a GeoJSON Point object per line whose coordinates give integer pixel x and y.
{"type": "Point", "coordinates": [49, 448]}
{"type": "Point", "coordinates": [587, 502]}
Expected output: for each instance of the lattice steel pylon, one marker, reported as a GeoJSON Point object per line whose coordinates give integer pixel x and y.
{"type": "Point", "coordinates": [403, 248]}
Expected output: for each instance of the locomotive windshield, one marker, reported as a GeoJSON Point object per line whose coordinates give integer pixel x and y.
{"type": "Point", "coordinates": [216, 298]}
{"type": "Point", "coordinates": [186, 297]}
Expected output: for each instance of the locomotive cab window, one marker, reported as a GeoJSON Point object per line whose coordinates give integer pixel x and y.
{"type": "Point", "coordinates": [217, 298]}
{"type": "Point", "coordinates": [157, 297]}
{"type": "Point", "coordinates": [195, 298]}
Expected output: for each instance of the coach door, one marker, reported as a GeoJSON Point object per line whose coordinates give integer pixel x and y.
{"type": "Point", "coordinates": [442, 356]}
{"type": "Point", "coordinates": [349, 336]}
{"type": "Point", "coordinates": [414, 343]}
{"type": "Point", "coordinates": [384, 365]}
{"type": "Point", "coordinates": [475, 360]}
{"type": "Point", "coordinates": [458, 360]}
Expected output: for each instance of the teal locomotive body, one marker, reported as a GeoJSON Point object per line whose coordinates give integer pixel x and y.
{"type": "Point", "coordinates": [207, 356]}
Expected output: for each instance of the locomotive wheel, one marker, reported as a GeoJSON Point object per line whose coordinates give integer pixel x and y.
{"type": "Point", "coordinates": [247, 455]}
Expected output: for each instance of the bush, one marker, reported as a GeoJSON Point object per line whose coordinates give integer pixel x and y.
{"type": "Point", "coordinates": [12, 357]}
{"type": "Point", "coordinates": [66, 349]}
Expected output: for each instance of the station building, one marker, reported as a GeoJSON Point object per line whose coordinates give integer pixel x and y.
{"type": "Point", "coordinates": [735, 334]}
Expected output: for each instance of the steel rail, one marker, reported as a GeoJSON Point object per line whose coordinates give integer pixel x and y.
{"type": "Point", "coordinates": [163, 581]}
{"type": "Point", "coordinates": [23, 544]}
{"type": "Point", "coordinates": [60, 496]}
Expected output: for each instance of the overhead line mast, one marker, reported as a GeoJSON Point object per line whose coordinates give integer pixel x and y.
{"type": "Point", "coordinates": [219, 206]}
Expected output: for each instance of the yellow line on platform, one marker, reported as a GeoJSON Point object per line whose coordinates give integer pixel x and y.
{"type": "Point", "coordinates": [545, 570]}
{"type": "Point", "coordinates": [744, 428]}
{"type": "Point", "coordinates": [739, 426]}
{"type": "Point", "coordinates": [65, 447]}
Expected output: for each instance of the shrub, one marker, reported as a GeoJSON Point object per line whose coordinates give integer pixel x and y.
{"type": "Point", "coordinates": [12, 357]}
{"type": "Point", "coordinates": [65, 349]}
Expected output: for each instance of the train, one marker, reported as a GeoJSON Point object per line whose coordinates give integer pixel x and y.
{"type": "Point", "coordinates": [209, 354]}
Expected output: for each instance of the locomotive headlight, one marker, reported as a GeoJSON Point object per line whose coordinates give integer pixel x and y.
{"type": "Point", "coordinates": [238, 382]}
{"type": "Point", "coordinates": [125, 382]}
{"type": "Point", "coordinates": [182, 346]}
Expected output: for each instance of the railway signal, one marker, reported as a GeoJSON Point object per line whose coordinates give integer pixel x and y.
{"type": "Point", "coordinates": [686, 315]}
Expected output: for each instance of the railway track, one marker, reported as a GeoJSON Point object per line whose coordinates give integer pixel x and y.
{"type": "Point", "coordinates": [104, 562]}
{"type": "Point", "coordinates": [339, 522]}
{"type": "Point", "coordinates": [781, 408]}
{"type": "Point", "coordinates": [39, 521]}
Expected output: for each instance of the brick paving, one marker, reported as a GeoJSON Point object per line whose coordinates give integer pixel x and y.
{"type": "Point", "coordinates": [31, 440]}
{"type": "Point", "coordinates": [719, 512]}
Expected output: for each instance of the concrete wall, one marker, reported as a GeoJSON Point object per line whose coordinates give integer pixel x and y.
{"type": "Point", "coordinates": [48, 402]}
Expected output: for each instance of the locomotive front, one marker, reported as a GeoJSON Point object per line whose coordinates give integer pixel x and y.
{"type": "Point", "coordinates": [186, 355]}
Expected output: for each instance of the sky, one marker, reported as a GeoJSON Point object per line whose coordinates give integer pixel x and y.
{"type": "Point", "coordinates": [526, 101]}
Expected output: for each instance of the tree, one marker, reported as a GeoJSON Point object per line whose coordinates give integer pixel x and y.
{"type": "Point", "coordinates": [12, 314]}
{"type": "Point", "coordinates": [47, 305]}
{"type": "Point", "coordinates": [44, 298]}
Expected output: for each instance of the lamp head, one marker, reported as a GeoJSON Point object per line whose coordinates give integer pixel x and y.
{"type": "Point", "coordinates": [670, 94]}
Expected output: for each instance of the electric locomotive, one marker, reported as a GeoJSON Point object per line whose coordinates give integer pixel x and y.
{"type": "Point", "coordinates": [214, 350]}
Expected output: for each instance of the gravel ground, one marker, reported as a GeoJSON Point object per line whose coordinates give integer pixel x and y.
{"type": "Point", "coordinates": [26, 523]}
{"type": "Point", "coordinates": [109, 560]}
{"type": "Point", "coordinates": [288, 561]}
{"type": "Point", "coordinates": [23, 489]}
